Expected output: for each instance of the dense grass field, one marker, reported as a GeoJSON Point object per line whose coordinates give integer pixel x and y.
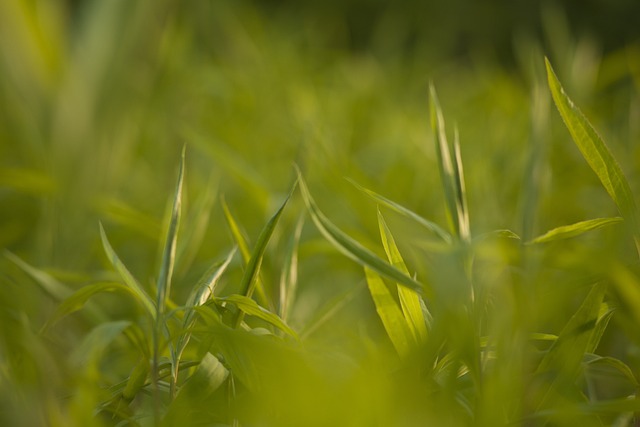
{"type": "Point", "coordinates": [215, 215]}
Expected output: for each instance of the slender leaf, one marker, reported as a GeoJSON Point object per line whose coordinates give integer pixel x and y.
{"type": "Point", "coordinates": [241, 241]}
{"type": "Point", "coordinates": [200, 295]}
{"type": "Point", "coordinates": [289, 276]}
{"type": "Point", "coordinates": [390, 313]}
{"type": "Point", "coordinates": [137, 379]}
{"type": "Point", "coordinates": [250, 307]}
{"type": "Point", "coordinates": [601, 327]}
{"type": "Point", "coordinates": [78, 299]}
{"type": "Point", "coordinates": [461, 192]}
{"type": "Point", "coordinates": [126, 276]}
{"type": "Point", "coordinates": [410, 300]}
{"type": "Point", "coordinates": [445, 165]}
{"type": "Point", "coordinates": [329, 309]}
{"type": "Point", "coordinates": [169, 253]}
{"type": "Point", "coordinates": [565, 355]}
{"type": "Point", "coordinates": [355, 250]}
{"type": "Point", "coordinates": [56, 290]}
{"type": "Point", "coordinates": [248, 281]}
{"type": "Point", "coordinates": [617, 364]}
{"type": "Point", "coordinates": [429, 225]}
{"type": "Point", "coordinates": [568, 231]}
{"type": "Point", "coordinates": [595, 152]}
{"type": "Point", "coordinates": [627, 287]}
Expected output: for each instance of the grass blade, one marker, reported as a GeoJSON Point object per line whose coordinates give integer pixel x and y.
{"type": "Point", "coordinates": [169, 252]}
{"type": "Point", "coordinates": [289, 276]}
{"type": "Point", "coordinates": [568, 231]}
{"type": "Point", "coordinates": [445, 165]}
{"type": "Point", "coordinates": [250, 307]}
{"type": "Point", "coordinates": [199, 296]}
{"type": "Point", "coordinates": [410, 301]}
{"type": "Point", "coordinates": [126, 276]}
{"type": "Point", "coordinates": [429, 225]}
{"type": "Point", "coordinates": [78, 299]}
{"type": "Point", "coordinates": [392, 318]}
{"type": "Point", "coordinates": [461, 191]}
{"type": "Point", "coordinates": [249, 279]}
{"type": "Point", "coordinates": [56, 290]}
{"type": "Point", "coordinates": [355, 250]}
{"type": "Point", "coordinates": [242, 243]}
{"type": "Point", "coordinates": [596, 153]}
{"type": "Point", "coordinates": [565, 355]}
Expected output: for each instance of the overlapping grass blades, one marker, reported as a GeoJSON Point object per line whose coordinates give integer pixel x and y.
{"type": "Point", "coordinates": [169, 252]}
{"type": "Point", "coordinates": [413, 307]}
{"type": "Point", "coordinates": [354, 249]}
{"type": "Point", "coordinates": [250, 276]}
{"type": "Point", "coordinates": [141, 295]}
{"type": "Point", "coordinates": [429, 225]}
{"type": "Point", "coordinates": [597, 154]}
{"type": "Point", "coordinates": [451, 172]}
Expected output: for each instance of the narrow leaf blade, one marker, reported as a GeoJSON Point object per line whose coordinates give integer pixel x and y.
{"type": "Point", "coordinates": [394, 322]}
{"type": "Point", "coordinates": [126, 276]}
{"type": "Point", "coordinates": [595, 151]}
{"type": "Point", "coordinates": [573, 230]}
{"type": "Point", "coordinates": [410, 300]}
{"type": "Point", "coordinates": [169, 252]}
{"type": "Point", "coordinates": [429, 225]}
{"type": "Point", "coordinates": [250, 307]}
{"type": "Point", "coordinates": [355, 250]}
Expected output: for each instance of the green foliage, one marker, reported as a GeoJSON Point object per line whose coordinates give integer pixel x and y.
{"type": "Point", "coordinates": [130, 296]}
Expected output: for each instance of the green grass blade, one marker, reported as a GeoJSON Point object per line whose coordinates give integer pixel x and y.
{"type": "Point", "coordinates": [565, 355]}
{"type": "Point", "coordinates": [390, 313]}
{"type": "Point", "coordinates": [236, 233]}
{"type": "Point", "coordinates": [126, 276]}
{"type": "Point", "coordinates": [618, 365]}
{"type": "Point", "coordinates": [355, 250]}
{"type": "Point", "coordinates": [410, 301]}
{"type": "Point", "coordinates": [429, 225]}
{"type": "Point", "coordinates": [627, 287]}
{"type": "Point", "coordinates": [250, 276]}
{"type": "Point", "coordinates": [289, 276]}
{"type": "Point", "coordinates": [195, 226]}
{"type": "Point", "coordinates": [242, 243]}
{"type": "Point", "coordinates": [56, 290]}
{"type": "Point", "coordinates": [169, 251]}
{"type": "Point", "coordinates": [461, 191]}
{"type": "Point", "coordinates": [568, 231]}
{"type": "Point", "coordinates": [595, 152]}
{"type": "Point", "coordinates": [601, 327]}
{"type": "Point", "coordinates": [445, 165]}
{"type": "Point", "coordinates": [78, 299]}
{"type": "Point", "coordinates": [199, 296]}
{"type": "Point", "coordinates": [250, 307]}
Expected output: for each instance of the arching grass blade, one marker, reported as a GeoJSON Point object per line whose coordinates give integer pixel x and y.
{"type": "Point", "coordinates": [568, 231]}
{"type": "Point", "coordinates": [596, 153]}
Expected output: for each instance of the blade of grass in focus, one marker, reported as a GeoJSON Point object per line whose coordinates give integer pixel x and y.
{"type": "Point", "coordinates": [597, 154]}
{"type": "Point", "coordinates": [250, 276]}
{"type": "Point", "coordinates": [451, 173]}
{"type": "Point", "coordinates": [412, 306]}
{"type": "Point", "coordinates": [394, 322]}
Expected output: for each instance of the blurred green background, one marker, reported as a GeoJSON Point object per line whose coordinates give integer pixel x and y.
{"type": "Point", "coordinates": [97, 98]}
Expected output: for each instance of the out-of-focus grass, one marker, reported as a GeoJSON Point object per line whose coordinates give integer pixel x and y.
{"type": "Point", "coordinates": [98, 98]}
